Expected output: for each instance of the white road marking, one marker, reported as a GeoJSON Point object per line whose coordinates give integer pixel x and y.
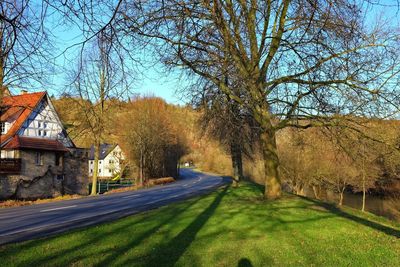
{"type": "Point", "coordinates": [153, 202]}
{"type": "Point", "coordinates": [130, 196]}
{"type": "Point", "coordinates": [60, 208]}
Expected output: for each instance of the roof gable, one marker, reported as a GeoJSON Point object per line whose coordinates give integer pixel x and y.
{"type": "Point", "coordinates": [105, 149]}
{"type": "Point", "coordinates": [19, 107]}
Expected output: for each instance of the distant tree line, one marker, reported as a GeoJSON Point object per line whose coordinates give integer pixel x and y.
{"type": "Point", "coordinates": [149, 130]}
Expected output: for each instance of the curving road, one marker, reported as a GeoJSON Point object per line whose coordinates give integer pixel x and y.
{"type": "Point", "coordinates": [28, 222]}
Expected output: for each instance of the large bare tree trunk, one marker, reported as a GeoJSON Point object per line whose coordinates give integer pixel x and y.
{"type": "Point", "coordinates": [236, 156]}
{"type": "Point", "coordinates": [141, 168]}
{"type": "Point", "coordinates": [2, 89]}
{"type": "Point", "coordinates": [95, 168]}
{"type": "Point", "coordinates": [271, 165]}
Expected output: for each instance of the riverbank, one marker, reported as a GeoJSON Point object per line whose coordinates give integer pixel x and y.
{"type": "Point", "coordinates": [229, 227]}
{"type": "Point", "coordinates": [386, 206]}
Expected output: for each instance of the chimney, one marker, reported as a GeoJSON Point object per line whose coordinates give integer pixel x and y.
{"type": "Point", "coordinates": [24, 92]}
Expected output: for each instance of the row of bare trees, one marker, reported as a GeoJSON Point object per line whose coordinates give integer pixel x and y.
{"type": "Point", "coordinates": [284, 63]}
{"type": "Point", "coordinates": [320, 160]}
{"type": "Point", "coordinates": [299, 63]}
{"type": "Point", "coordinates": [150, 131]}
{"type": "Point", "coordinates": [151, 134]}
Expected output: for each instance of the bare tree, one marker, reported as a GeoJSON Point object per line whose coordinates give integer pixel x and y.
{"type": "Point", "coordinates": [99, 80]}
{"type": "Point", "coordinates": [152, 137]}
{"type": "Point", "coordinates": [24, 46]}
{"type": "Point", "coordinates": [24, 43]}
{"type": "Point", "coordinates": [232, 125]}
{"type": "Point", "coordinates": [302, 63]}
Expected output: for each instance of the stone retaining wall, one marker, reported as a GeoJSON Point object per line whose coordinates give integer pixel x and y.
{"type": "Point", "coordinates": [46, 180]}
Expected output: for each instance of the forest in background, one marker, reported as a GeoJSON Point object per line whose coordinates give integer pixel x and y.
{"type": "Point", "coordinates": [157, 136]}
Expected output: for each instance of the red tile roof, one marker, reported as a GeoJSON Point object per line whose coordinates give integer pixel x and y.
{"type": "Point", "coordinates": [18, 107]}
{"type": "Point", "coordinates": [19, 142]}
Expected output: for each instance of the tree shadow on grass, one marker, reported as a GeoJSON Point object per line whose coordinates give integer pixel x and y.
{"type": "Point", "coordinates": [107, 261]}
{"type": "Point", "coordinates": [374, 225]}
{"type": "Point", "coordinates": [91, 240]}
{"type": "Point", "coordinates": [169, 253]}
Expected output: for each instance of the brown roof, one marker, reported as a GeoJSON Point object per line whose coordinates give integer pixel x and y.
{"type": "Point", "coordinates": [18, 107]}
{"type": "Point", "coordinates": [19, 142]}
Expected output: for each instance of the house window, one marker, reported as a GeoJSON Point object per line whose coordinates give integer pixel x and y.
{"type": "Point", "coordinates": [3, 127]}
{"type": "Point", "coordinates": [10, 154]}
{"type": "Point", "coordinates": [44, 133]}
{"type": "Point", "coordinates": [39, 158]}
{"type": "Point", "coordinates": [99, 170]}
{"type": "Point", "coordinates": [59, 160]}
{"type": "Point", "coordinates": [91, 170]}
{"type": "Point", "coordinates": [40, 133]}
{"type": "Point", "coordinates": [7, 154]}
{"type": "Point", "coordinates": [39, 124]}
{"type": "Point", "coordinates": [44, 124]}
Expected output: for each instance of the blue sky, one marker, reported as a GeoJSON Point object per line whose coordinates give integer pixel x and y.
{"type": "Point", "coordinates": [151, 80]}
{"type": "Point", "coordinates": [155, 80]}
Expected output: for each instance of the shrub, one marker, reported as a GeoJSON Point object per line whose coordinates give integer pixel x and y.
{"type": "Point", "coordinates": [164, 180]}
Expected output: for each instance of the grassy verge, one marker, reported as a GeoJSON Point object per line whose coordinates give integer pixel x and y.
{"type": "Point", "coordinates": [231, 227]}
{"type": "Point", "coordinates": [18, 203]}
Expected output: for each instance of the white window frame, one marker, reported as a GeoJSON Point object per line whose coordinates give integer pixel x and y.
{"type": "Point", "coordinates": [7, 154]}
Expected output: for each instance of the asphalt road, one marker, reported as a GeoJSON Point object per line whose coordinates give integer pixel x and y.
{"type": "Point", "coordinates": [28, 222]}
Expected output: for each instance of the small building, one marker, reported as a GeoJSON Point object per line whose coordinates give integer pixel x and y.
{"type": "Point", "coordinates": [110, 161]}
{"type": "Point", "coordinates": [37, 154]}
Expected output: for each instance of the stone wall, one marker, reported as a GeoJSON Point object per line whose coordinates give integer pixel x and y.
{"type": "Point", "coordinates": [46, 180]}
{"type": "Point", "coordinates": [76, 172]}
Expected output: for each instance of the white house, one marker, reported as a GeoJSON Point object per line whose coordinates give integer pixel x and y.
{"type": "Point", "coordinates": [110, 161]}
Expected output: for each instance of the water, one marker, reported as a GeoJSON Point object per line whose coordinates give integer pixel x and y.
{"type": "Point", "coordinates": [386, 207]}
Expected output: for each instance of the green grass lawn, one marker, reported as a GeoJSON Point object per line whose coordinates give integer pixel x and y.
{"type": "Point", "coordinates": [231, 227]}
